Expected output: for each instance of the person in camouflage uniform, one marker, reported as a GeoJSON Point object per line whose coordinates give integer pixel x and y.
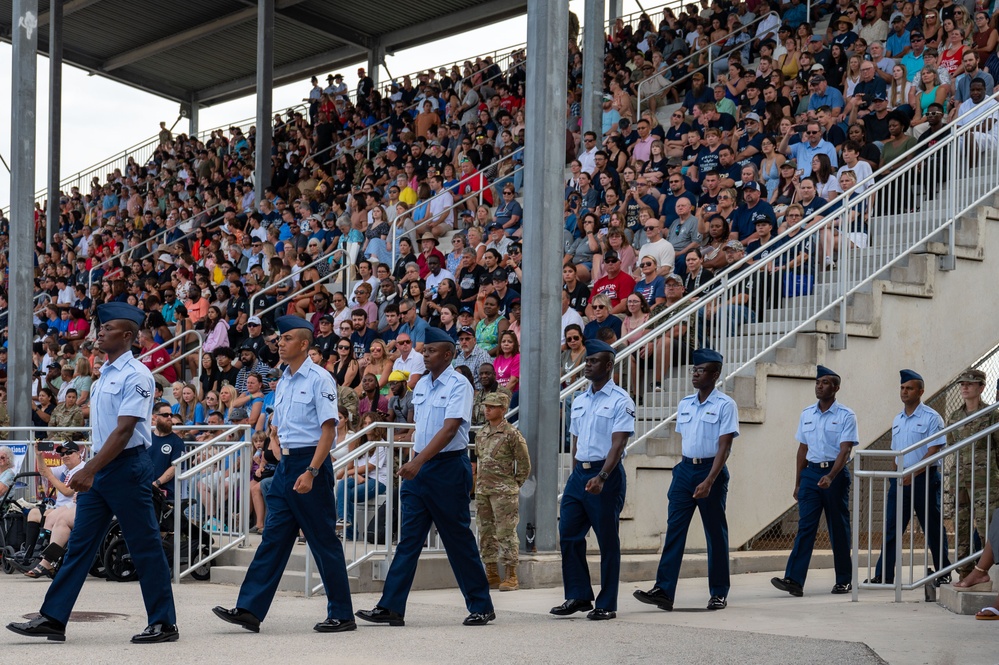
{"type": "Point", "coordinates": [487, 377]}
{"type": "Point", "coordinates": [974, 469]}
{"type": "Point", "coordinates": [67, 414]}
{"type": "Point", "coordinates": [504, 465]}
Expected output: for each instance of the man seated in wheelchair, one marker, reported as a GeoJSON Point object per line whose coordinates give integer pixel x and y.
{"type": "Point", "coordinates": [58, 519]}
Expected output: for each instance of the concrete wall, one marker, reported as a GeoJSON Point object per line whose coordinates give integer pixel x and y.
{"type": "Point", "coordinates": [936, 322]}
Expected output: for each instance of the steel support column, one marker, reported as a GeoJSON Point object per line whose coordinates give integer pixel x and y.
{"type": "Point", "coordinates": [192, 119]}
{"type": "Point", "coordinates": [593, 66]}
{"type": "Point", "coordinates": [376, 57]}
{"type": "Point", "coordinates": [615, 9]}
{"type": "Point", "coordinates": [24, 89]}
{"type": "Point", "coordinates": [55, 116]}
{"type": "Point", "coordinates": [544, 161]}
{"type": "Point", "coordinates": [265, 95]}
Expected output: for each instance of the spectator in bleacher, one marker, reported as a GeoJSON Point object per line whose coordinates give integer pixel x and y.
{"type": "Point", "coordinates": [600, 308]}
{"type": "Point", "coordinates": [812, 143]}
{"type": "Point", "coordinates": [188, 407]}
{"type": "Point", "coordinates": [970, 71]}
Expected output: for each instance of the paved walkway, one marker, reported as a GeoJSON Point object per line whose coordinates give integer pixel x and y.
{"type": "Point", "coordinates": [761, 625]}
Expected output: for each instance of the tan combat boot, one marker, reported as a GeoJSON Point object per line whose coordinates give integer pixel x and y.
{"type": "Point", "coordinates": [510, 583]}
{"type": "Point", "coordinates": [492, 575]}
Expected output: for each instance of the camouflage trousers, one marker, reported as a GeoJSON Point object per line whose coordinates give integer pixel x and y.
{"type": "Point", "coordinates": [976, 488]}
{"type": "Point", "coordinates": [497, 516]}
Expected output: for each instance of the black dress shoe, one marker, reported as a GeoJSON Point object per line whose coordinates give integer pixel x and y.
{"type": "Point", "coordinates": [238, 616]}
{"type": "Point", "coordinates": [381, 615]}
{"type": "Point", "coordinates": [789, 585]}
{"type": "Point", "coordinates": [873, 580]}
{"type": "Point", "coordinates": [479, 618]}
{"type": "Point", "coordinates": [156, 633]}
{"type": "Point", "coordinates": [717, 603]}
{"type": "Point", "coordinates": [335, 626]}
{"type": "Point", "coordinates": [40, 627]}
{"type": "Point", "coordinates": [655, 596]}
{"type": "Point", "coordinates": [571, 606]}
{"type": "Point", "coordinates": [840, 589]}
{"type": "Point", "coordinates": [601, 615]}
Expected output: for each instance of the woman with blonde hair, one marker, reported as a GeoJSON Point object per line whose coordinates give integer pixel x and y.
{"type": "Point", "coordinates": [379, 364]}
{"type": "Point", "coordinates": [227, 395]}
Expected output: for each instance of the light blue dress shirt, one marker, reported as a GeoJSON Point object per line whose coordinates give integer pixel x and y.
{"type": "Point", "coordinates": [824, 432]}
{"type": "Point", "coordinates": [907, 430]}
{"type": "Point", "coordinates": [304, 401]}
{"type": "Point", "coordinates": [597, 415]}
{"type": "Point", "coordinates": [434, 401]}
{"type": "Point", "coordinates": [125, 388]}
{"type": "Point", "coordinates": [701, 424]}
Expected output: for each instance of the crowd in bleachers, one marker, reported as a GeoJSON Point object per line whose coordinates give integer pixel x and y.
{"type": "Point", "coordinates": [391, 211]}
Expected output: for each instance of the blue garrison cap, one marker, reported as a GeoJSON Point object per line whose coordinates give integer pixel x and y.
{"type": "Point", "coordinates": [824, 371]}
{"type": "Point", "coordinates": [909, 375]}
{"type": "Point", "coordinates": [705, 355]}
{"type": "Point", "coordinates": [435, 336]}
{"type": "Point", "coordinates": [286, 323]}
{"type": "Point", "coordinates": [595, 346]}
{"type": "Point", "coordinates": [112, 311]}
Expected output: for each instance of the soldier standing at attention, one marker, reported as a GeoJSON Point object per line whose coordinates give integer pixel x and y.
{"type": "Point", "coordinates": [118, 480]}
{"type": "Point", "coordinates": [435, 489]}
{"type": "Point", "coordinates": [913, 424]}
{"type": "Point", "coordinates": [708, 422]}
{"type": "Point", "coordinates": [301, 494]}
{"type": "Point", "coordinates": [504, 465]}
{"type": "Point", "coordinates": [827, 432]}
{"type": "Point", "coordinates": [976, 473]}
{"type": "Point", "coordinates": [603, 417]}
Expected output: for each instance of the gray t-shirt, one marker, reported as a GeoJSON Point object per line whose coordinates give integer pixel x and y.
{"type": "Point", "coordinates": [471, 102]}
{"type": "Point", "coordinates": [399, 407]}
{"type": "Point", "coordinates": [683, 233]}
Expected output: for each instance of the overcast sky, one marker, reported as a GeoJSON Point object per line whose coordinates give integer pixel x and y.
{"type": "Point", "coordinates": [101, 117]}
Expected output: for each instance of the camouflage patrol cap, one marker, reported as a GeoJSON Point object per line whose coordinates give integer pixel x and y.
{"type": "Point", "coordinates": [972, 375]}
{"type": "Point", "coordinates": [496, 399]}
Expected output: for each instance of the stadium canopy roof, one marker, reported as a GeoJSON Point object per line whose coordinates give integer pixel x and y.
{"type": "Point", "coordinates": [204, 51]}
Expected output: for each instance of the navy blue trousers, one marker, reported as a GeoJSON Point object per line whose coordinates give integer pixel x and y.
{"type": "Point", "coordinates": [581, 511]}
{"type": "Point", "coordinates": [123, 488]}
{"type": "Point", "coordinates": [686, 478]}
{"type": "Point", "coordinates": [914, 496]}
{"type": "Point", "coordinates": [287, 512]}
{"type": "Point", "coordinates": [812, 502]}
{"type": "Point", "coordinates": [438, 495]}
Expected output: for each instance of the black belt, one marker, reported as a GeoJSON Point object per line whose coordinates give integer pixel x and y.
{"type": "Point", "coordinates": [821, 465]}
{"type": "Point", "coordinates": [698, 460]}
{"type": "Point", "coordinates": [450, 455]}
{"type": "Point", "coordinates": [130, 452]}
{"type": "Point", "coordinates": [598, 464]}
{"type": "Point", "coordinates": [298, 452]}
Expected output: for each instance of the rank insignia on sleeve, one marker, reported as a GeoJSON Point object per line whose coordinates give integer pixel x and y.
{"type": "Point", "coordinates": [142, 391]}
{"type": "Point", "coordinates": [330, 396]}
{"type": "Point", "coordinates": [630, 412]}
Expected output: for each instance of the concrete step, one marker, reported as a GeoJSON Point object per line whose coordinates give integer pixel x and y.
{"type": "Point", "coordinates": [966, 602]}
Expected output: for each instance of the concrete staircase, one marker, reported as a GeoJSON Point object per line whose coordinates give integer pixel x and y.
{"type": "Point", "coordinates": [915, 315]}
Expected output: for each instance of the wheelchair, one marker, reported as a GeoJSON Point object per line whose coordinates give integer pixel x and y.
{"type": "Point", "coordinates": [117, 563]}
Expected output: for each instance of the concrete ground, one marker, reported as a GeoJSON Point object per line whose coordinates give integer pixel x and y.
{"type": "Point", "coordinates": [761, 625]}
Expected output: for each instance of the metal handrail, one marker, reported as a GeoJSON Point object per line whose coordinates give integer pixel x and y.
{"type": "Point", "coordinates": [897, 474]}
{"type": "Point", "coordinates": [688, 304]}
{"type": "Point", "coordinates": [696, 54]}
{"type": "Point", "coordinates": [807, 228]}
{"type": "Point", "coordinates": [324, 258]}
{"type": "Point", "coordinates": [173, 340]}
{"type": "Point", "coordinates": [339, 272]}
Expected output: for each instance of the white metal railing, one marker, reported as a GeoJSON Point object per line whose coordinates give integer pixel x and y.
{"type": "Point", "coordinates": [211, 498]}
{"type": "Point", "coordinates": [873, 485]}
{"type": "Point", "coordinates": [756, 304]}
{"type": "Point", "coordinates": [341, 271]}
{"type": "Point", "coordinates": [390, 452]}
{"type": "Point", "coordinates": [173, 341]}
{"type": "Point", "coordinates": [646, 87]}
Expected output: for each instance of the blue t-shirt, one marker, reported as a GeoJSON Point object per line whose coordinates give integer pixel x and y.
{"type": "Point", "coordinates": [652, 290]}
{"type": "Point", "coordinates": [164, 451]}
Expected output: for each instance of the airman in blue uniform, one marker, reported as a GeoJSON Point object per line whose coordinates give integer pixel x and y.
{"type": "Point", "coordinates": [118, 480]}
{"type": "Point", "coordinates": [915, 423]}
{"type": "Point", "coordinates": [708, 422]}
{"type": "Point", "coordinates": [827, 432]}
{"type": "Point", "coordinates": [301, 495]}
{"type": "Point", "coordinates": [603, 417]}
{"type": "Point", "coordinates": [435, 489]}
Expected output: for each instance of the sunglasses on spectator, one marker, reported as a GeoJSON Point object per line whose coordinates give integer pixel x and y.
{"type": "Point", "coordinates": [343, 348]}
{"type": "Point", "coordinates": [648, 264]}
{"type": "Point", "coordinates": [651, 227]}
{"type": "Point", "coordinates": [404, 341]}
{"type": "Point", "coordinates": [599, 307]}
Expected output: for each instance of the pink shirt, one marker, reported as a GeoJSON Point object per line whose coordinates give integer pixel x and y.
{"type": "Point", "coordinates": [507, 368]}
